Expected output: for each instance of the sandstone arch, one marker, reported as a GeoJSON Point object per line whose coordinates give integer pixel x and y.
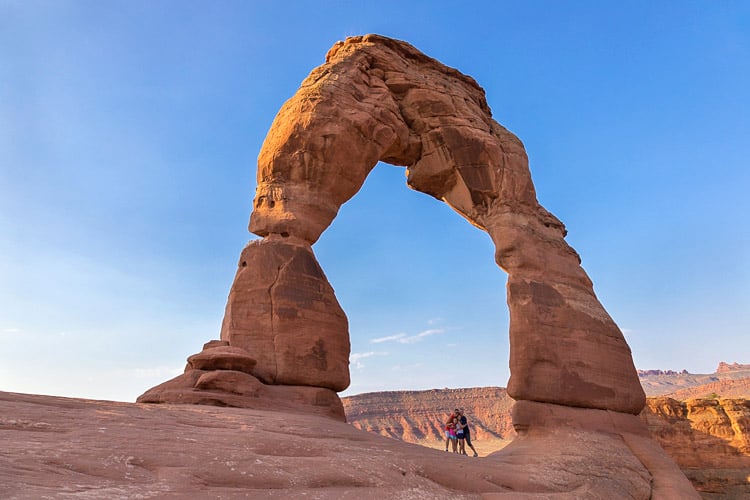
{"type": "Point", "coordinates": [285, 341]}
{"type": "Point", "coordinates": [377, 99]}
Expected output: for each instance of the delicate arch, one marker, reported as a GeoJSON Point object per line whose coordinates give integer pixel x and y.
{"type": "Point", "coordinates": [378, 99]}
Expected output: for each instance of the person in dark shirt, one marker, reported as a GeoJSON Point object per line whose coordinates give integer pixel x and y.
{"type": "Point", "coordinates": [464, 424]}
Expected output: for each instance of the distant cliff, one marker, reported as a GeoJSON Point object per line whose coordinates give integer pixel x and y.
{"type": "Point", "coordinates": [418, 416]}
{"type": "Point", "coordinates": [708, 438]}
{"type": "Point", "coordinates": [668, 382]}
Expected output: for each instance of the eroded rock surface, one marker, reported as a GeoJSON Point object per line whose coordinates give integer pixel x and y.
{"type": "Point", "coordinates": [222, 375]}
{"type": "Point", "coordinates": [283, 310]}
{"type": "Point", "coordinates": [708, 438]}
{"type": "Point", "coordinates": [71, 448]}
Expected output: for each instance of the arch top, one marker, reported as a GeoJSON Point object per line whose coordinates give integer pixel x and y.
{"type": "Point", "coordinates": [379, 99]}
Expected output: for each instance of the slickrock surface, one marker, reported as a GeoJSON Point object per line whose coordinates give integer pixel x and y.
{"type": "Point", "coordinates": [70, 448]}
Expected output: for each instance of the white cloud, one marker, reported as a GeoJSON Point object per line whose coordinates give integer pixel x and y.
{"type": "Point", "coordinates": [388, 338]}
{"type": "Point", "coordinates": [354, 358]}
{"type": "Point", "coordinates": [11, 330]}
{"type": "Point", "coordinates": [402, 338]}
{"type": "Point", "coordinates": [421, 336]}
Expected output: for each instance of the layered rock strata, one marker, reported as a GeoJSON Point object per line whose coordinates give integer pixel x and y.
{"type": "Point", "coordinates": [708, 438]}
{"type": "Point", "coordinates": [223, 375]}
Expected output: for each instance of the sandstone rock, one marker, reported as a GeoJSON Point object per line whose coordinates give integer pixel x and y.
{"type": "Point", "coordinates": [241, 390]}
{"type": "Point", "coordinates": [220, 375]}
{"type": "Point", "coordinates": [731, 367]}
{"type": "Point", "coordinates": [222, 358]}
{"type": "Point", "coordinates": [738, 388]}
{"type": "Point", "coordinates": [729, 380]}
{"type": "Point", "coordinates": [709, 440]}
{"type": "Point", "coordinates": [59, 448]}
{"type": "Point", "coordinates": [282, 309]}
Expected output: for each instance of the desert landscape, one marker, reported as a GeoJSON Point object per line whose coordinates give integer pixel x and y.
{"type": "Point", "coordinates": [71, 448]}
{"type": "Point", "coordinates": [272, 405]}
{"type": "Point", "coordinates": [285, 343]}
{"type": "Point", "coordinates": [701, 420]}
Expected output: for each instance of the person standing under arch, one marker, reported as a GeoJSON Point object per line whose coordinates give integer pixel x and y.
{"type": "Point", "coordinates": [464, 424]}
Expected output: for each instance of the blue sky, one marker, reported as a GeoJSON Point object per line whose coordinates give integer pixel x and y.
{"type": "Point", "coordinates": [129, 132]}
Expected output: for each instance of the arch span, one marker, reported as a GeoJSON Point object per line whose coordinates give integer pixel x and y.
{"type": "Point", "coordinates": [378, 99]}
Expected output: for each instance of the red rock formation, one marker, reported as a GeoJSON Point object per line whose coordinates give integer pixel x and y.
{"type": "Point", "coordinates": [708, 438]}
{"type": "Point", "coordinates": [683, 385]}
{"type": "Point", "coordinates": [283, 310]}
{"type": "Point", "coordinates": [388, 102]}
{"type": "Point", "coordinates": [721, 388]}
{"type": "Point", "coordinates": [378, 99]}
{"type": "Point", "coordinates": [222, 375]}
{"type": "Point", "coordinates": [734, 367]}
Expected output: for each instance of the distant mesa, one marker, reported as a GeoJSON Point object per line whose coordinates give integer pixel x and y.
{"type": "Point", "coordinates": [723, 368]}
{"type": "Point", "coordinates": [378, 99]}
{"type": "Point", "coordinates": [726, 367]}
{"type": "Point", "coordinates": [645, 373]}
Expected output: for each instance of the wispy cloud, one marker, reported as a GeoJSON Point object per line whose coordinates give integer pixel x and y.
{"type": "Point", "coordinates": [389, 338]}
{"type": "Point", "coordinates": [402, 338]}
{"type": "Point", "coordinates": [355, 357]}
{"type": "Point", "coordinates": [11, 330]}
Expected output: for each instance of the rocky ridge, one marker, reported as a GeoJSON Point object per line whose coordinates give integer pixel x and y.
{"type": "Point", "coordinates": [668, 382]}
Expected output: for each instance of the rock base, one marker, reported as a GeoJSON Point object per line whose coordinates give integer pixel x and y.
{"type": "Point", "coordinates": [222, 375]}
